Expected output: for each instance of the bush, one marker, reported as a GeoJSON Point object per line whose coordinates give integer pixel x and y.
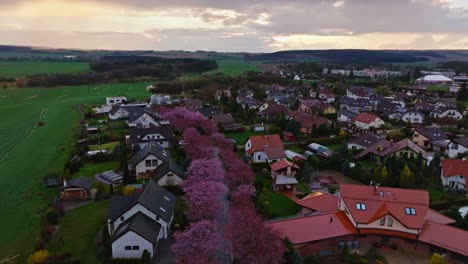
{"type": "Point", "coordinates": [258, 167]}
{"type": "Point", "coordinates": [311, 259]}
{"type": "Point", "coordinates": [52, 217]}
{"type": "Point", "coordinates": [38, 257]}
{"type": "Point", "coordinates": [128, 190]}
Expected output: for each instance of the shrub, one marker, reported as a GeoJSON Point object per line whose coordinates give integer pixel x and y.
{"type": "Point", "coordinates": [52, 217]}
{"type": "Point", "coordinates": [128, 190]}
{"type": "Point", "coordinates": [311, 259]}
{"type": "Point", "coordinates": [38, 257]}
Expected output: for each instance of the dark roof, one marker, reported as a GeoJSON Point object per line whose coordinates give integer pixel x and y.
{"type": "Point", "coordinates": [137, 134]}
{"type": "Point", "coordinates": [136, 112]}
{"type": "Point", "coordinates": [275, 110]}
{"type": "Point", "coordinates": [170, 165]}
{"type": "Point", "coordinates": [154, 197]}
{"type": "Point", "coordinates": [152, 148]}
{"type": "Point", "coordinates": [223, 118]}
{"type": "Point", "coordinates": [109, 177]}
{"type": "Point", "coordinates": [366, 140]}
{"type": "Point", "coordinates": [432, 133]}
{"type": "Point", "coordinates": [209, 111]}
{"type": "Point", "coordinates": [193, 104]}
{"type": "Point", "coordinates": [142, 225]}
{"type": "Point", "coordinates": [80, 182]}
{"type": "Point", "coordinates": [462, 141]}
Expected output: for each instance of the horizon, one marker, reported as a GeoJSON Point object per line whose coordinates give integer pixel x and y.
{"type": "Point", "coordinates": [240, 26]}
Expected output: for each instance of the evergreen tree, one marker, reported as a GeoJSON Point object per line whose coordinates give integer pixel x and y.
{"type": "Point", "coordinates": [378, 174]}
{"type": "Point", "coordinates": [407, 178]}
{"type": "Point", "coordinates": [292, 126]}
{"type": "Point", "coordinates": [351, 74]}
{"type": "Point", "coordinates": [463, 93]}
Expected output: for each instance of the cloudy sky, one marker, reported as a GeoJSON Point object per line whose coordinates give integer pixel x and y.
{"type": "Point", "coordinates": [235, 25]}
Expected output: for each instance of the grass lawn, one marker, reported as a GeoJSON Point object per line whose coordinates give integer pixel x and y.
{"type": "Point", "coordinates": [109, 146]}
{"type": "Point", "coordinates": [234, 67]}
{"type": "Point", "coordinates": [77, 230]}
{"type": "Point", "coordinates": [435, 195]}
{"type": "Point", "coordinates": [91, 169]}
{"type": "Point", "coordinates": [242, 137]}
{"type": "Point", "coordinates": [438, 88]}
{"type": "Point", "coordinates": [296, 149]}
{"type": "Point", "coordinates": [29, 152]}
{"type": "Point", "coordinates": [280, 204]}
{"type": "Point", "coordinates": [24, 68]}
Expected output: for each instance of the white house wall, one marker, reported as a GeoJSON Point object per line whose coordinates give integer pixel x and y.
{"type": "Point", "coordinates": [177, 180]}
{"type": "Point", "coordinates": [131, 239]}
{"type": "Point", "coordinates": [141, 167]}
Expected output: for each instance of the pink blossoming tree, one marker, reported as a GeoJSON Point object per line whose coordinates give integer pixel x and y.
{"type": "Point", "coordinates": [204, 199]}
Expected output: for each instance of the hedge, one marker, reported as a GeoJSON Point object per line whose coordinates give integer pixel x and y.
{"type": "Point", "coordinates": [328, 140]}
{"type": "Point", "coordinates": [258, 167]}
{"type": "Point", "coordinates": [439, 206]}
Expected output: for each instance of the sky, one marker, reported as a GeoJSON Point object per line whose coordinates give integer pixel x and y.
{"type": "Point", "coordinates": [235, 25]}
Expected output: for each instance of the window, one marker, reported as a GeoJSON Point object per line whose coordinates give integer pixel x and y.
{"type": "Point", "coordinates": [154, 162]}
{"type": "Point", "coordinates": [381, 193]}
{"type": "Point", "coordinates": [390, 221]}
{"type": "Point", "coordinates": [361, 206]}
{"type": "Point", "coordinates": [416, 135]}
{"type": "Point", "coordinates": [454, 146]}
{"type": "Point", "coordinates": [148, 163]}
{"type": "Point", "coordinates": [259, 157]}
{"type": "Point", "coordinates": [410, 211]}
{"type": "Point", "coordinates": [136, 248]}
{"type": "Point", "coordinates": [382, 221]}
{"type": "Point", "coordinates": [128, 248]}
{"type": "Point", "coordinates": [122, 218]}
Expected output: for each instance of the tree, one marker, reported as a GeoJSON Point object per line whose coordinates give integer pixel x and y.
{"type": "Point", "coordinates": [407, 178]}
{"type": "Point", "coordinates": [292, 126]}
{"type": "Point", "coordinates": [351, 74]}
{"type": "Point", "coordinates": [378, 174]}
{"type": "Point", "coordinates": [437, 259]}
{"type": "Point", "coordinates": [462, 94]}
{"type": "Point", "coordinates": [38, 257]}
{"type": "Point", "coordinates": [197, 244]}
{"type": "Point", "coordinates": [204, 199]}
{"type": "Point", "coordinates": [205, 170]}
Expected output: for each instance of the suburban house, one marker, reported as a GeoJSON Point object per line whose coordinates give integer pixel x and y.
{"type": "Point", "coordinates": [316, 106]}
{"type": "Point", "coordinates": [372, 214]}
{"type": "Point", "coordinates": [414, 117]}
{"type": "Point", "coordinates": [367, 121]}
{"type": "Point", "coordinates": [384, 148]}
{"type": "Point", "coordinates": [209, 111]}
{"type": "Point", "coordinates": [137, 222]}
{"type": "Point", "coordinates": [226, 121]}
{"type": "Point", "coordinates": [323, 94]}
{"type": "Point", "coordinates": [114, 100]}
{"type": "Point", "coordinates": [265, 148]}
{"type": "Point", "coordinates": [363, 141]}
{"type": "Point", "coordinates": [345, 115]}
{"type": "Point", "coordinates": [309, 124]}
{"type": "Point", "coordinates": [147, 159]}
{"type": "Point", "coordinates": [136, 115]}
{"type": "Point", "coordinates": [193, 104]}
{"type": "Point", "coordinates": [318, 202]}
{"type": "Point", "coordinates": [425, 137]}
{"type": "Point", "coordinates": [143, 136]}
{"type": "Point", "coordinates": [169, 173]}
{"type": "Point", "coordinates": [359, 92]}
{"type": "Point", "coordinates": [76, 189]}
{"type": "Point", "coordinates": [355, 105]}
{"type": "Point", "coordinates": [446, 111]}
{"type": "Point", "coordinates": [274, 111]}
{"type": "Point", "coordinates": [458, 146]}
{"type": "Point", "coordinates": [283, 174]}
{"type": "Point", "coordinates": [454, 173]}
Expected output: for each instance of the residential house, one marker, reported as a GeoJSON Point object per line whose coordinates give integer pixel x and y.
{"type": "Point", "coordinates": [425, 137]}
{"type": "Point", "coordinates": [446, 111]}
{"type": "Point", "coordinates": [458, 146]}
{"type": "Point", "coordinates": [345, 115]}
{"type": "Point", "coordinates": [222, 93]}
{"type": "Point", "coordinates": [309, 124]}
{"type": "Point", "coordinates": [76, 189]}
{"type": "Point", "coordinates": [274, 111]}
{"type": "Point", "coordinates": [136, 115]}
{"type": "Point", "coordinates": [454, 173]}
{"type": "Point", "coordinates": [367, 121]}
{"type": "Point", "coordinates": [138, 222]}
{"type": "Point", "coordinates": [363, 141]}
{"type": "Point", "coordinates": [115, 100]}
{"type": "Point", "coordinates": [226, 121]}
{"type": "Point", "coordinates": [375, 215]}
{"type": "Point", "coordinates": [356, 105]}
{"type": "Point", "coordinates": [250, 103]}
{"type": "Point", "coordinates": [147, 159]}
{"type": "Point", "coordinates": [161, 99]}
{"type": "Point", "coordinates": [323, 94]}
{"type": "Point", "coordinates": [283, 174]}
{"type": "Point", "coordinates": [143, 136]}
{"type": "Point", "coordinates": [169, 173]}
{"type": "Point", "coordinates": [414, 117]}
{"type": "Point", "coordinates": [209, 111]}
{"type": "Point", "coordinates": [384, 148]}
{"type": "Point", "coordinates": [316, 106]}
{"type": "Point", "coordinates": [318, 202]}
{"type": "Point", "coordinates": [265, 148]}
{"type": "Point", "coordinates": [359, 92]}
{"type": "Point", "coordinates": [193, 104]}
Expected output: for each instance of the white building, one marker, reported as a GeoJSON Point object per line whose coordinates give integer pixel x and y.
{"type": "Point", "coordinates": [114, 100]}
{"type": "Point", "coordinates": [413, 117]}
{"type": "Point", "coordinates": [454, 173]}
{"type": "Point", "coordinates": [146, 160]}
{"type": "Point", "coordinates": [457, 146]}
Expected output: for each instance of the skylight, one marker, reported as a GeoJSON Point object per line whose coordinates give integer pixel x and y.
{"type": "Point", "coordinates": [410, 211]}
{"type": "Point", "coordinates": [361, 206]}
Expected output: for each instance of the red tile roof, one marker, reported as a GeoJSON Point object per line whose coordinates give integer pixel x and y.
{"type": "Point", "coordinates": [299, 230]}
{"type": "Point", "coordinates": [434, 216]}
{"type": "Point", "coordinates": [282, 164]}
{"type": "Point", "coordinates": [365, 118]}
{"type": "Point", "coordinates": [314, 121]}
{"type": "Point", "coordinates": [319, 201]}
{"type": "Point", "coordinates": [454, 167]}
{"type": "Point", "coordinates": [263, 142]}
{"type": "Point", "coordinates": [393, 201]}
{"type": "Point", "coordinates": [445, 236]}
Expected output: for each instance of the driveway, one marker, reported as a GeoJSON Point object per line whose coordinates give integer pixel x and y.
{"type": "Point", "coordinates": [164, 254]}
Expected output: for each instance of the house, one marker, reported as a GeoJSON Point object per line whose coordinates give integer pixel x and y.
{"type": "Point", "coordinates": [316, 106]}
{"type": "Point", "coordinates": [114, 100]}
{"type": "Point", "coordinates": [434, 79]}
{"type": "Point", "coordinates": [458, 146]}
{"type": "Point", "coordinates": [374, 215]}
{"type": "Point", "coordinates": [209, 111]}
{"type": "Point", "coordinates": [138, 222]}
{"type": "Point", "coordinates": [345, 115]}
{"type": "Point", "coordinates": [143, 136]}
{"type": "Point", "coordinates": [446, 111]}
{"type": "Point", "coordinates": [274, 111]}
{"type": "Point", "coordinates": [367, 121]}
{"type": "Point", "coordinates": [414, 117]}
{"type": "Point", "coordinates": [355, 105]}
{"type": "Point", "coordinates": [226, 121]}
{"type": "Point", "coordinates": [359, 92]}
{"type": "Point", "coordinates": [323, 94]}
{"type": "Point", "coordinates": [257, 127]}
{"type": "Point", "coordinates": [136, 115]}
{"type": "Point", "coordinates": [76, 189]}
{"type": "Point", "coordinates": [193, 104]}
{"type": "Point", "coordinates": [288, 136]}
{"type": "Point", "coordinates": [147, 159]}
{"type": "Point", "coordinates": [169, 173]}
{"type": "Point", "coordinates": [265, 148]}
{"type": "Point", "coordinates": [318, 202]}
{"type": "Point", "coordinates": [250, 103]}
{"type": "Point", "coordinates": [384, 148]}
{"type": "Point", "coordinates": [426, 136]}
{"type": "Point", "coordinates": [363, 141]}
{"type": "Point", "coordinates": [161, 99]}
{"type": "Point", "coordinates": [222, 93]}
{"type": "Point", "coordinates": [454, 173]}
{"type": "Point", "coordinates": [283, 174]}
{"type": "Point", "coordinates": [309, 124]}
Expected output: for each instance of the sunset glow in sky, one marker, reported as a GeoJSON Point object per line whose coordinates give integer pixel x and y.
{"type": "Point", "coordinates": [240, 25]}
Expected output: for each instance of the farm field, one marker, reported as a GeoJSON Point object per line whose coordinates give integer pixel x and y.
{"type": "Point", "coordinates": [24, 68]}
{"type": "Point", "coordinates": [28, 152]}
{"type": "Point", "coordinates": [234, 67]}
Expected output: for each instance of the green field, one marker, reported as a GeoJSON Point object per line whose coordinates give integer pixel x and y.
{"type": "Point", "coordinates": [234, 67]}
{"type": "Point", "coordinates": [77, 231]}
{"type": "Point", "coordinates": [24, 68]}
{"type": "Point", "coordinates": [29, 152]}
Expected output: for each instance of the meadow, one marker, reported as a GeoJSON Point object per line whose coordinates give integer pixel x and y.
{"type": "Point", "coordinates": [25, 68]}
{"type": "Point", "coordinates": [29, 151]}
{"type": "Point", "coordinates": [227, 67]}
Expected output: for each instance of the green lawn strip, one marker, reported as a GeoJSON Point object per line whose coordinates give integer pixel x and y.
{"type": "Point", "coordinates": [25, 68]}
{"type": "Point", "coordinates": [282, 205]}
{"type": "Point", "coordinates": [437, 88]}
{"type": "Point", "coordinates": [29, 152]}
{"type": "Point", "coordinates": [91, 169]}
{"type": "Point", "coordinates": [242, 137]}
{"type": "Point", "coordinates": [77, 231]}
{"type": "Point", "coordinates": [109, 146]}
